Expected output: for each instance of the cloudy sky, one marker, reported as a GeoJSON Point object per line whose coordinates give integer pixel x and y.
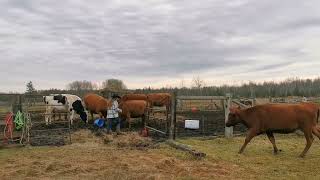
{"type": "Point", "coordinates": [156, 42]}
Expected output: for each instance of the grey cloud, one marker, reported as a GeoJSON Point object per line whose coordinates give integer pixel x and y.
{"type": "Point", "coordinates": [53, 43]}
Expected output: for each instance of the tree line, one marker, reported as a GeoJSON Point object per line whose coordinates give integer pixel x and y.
{"type": "Point", "coordinates": [80, 88]}
{"type": "Point", "coordinates": [288, 87]}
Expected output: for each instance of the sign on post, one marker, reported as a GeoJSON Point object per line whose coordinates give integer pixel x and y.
{"type": "Point", "coordinates": [192, 124]}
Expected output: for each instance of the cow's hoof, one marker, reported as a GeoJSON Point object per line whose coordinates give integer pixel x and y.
{"type": "Point", "coordinates": [301, 156]}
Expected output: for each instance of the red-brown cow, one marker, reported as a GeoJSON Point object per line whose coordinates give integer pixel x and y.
{"type": "Point", "coordinates": [96, 104]}
{"type": "Point", "coordinates": [133, 109]}
{"type": "Point", "coordinates": [277, 118]}
{"type": "Point", "coordinates": [160, 99]}
{"type": "Point", "coordinates": [134, 97]}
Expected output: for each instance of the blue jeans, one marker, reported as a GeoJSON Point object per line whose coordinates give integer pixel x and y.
{"type": "Point", "coordinates": [117, 121]}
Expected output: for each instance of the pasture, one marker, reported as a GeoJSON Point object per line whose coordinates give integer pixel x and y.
{"type": "Point", "coordinates": [130, 156]}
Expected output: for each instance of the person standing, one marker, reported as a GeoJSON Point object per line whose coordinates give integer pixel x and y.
{"type": "Point", "coordinates": [113, 114]}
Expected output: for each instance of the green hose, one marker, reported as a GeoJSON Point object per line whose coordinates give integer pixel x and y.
{"type": "Point", "coordinates": [19, 120]}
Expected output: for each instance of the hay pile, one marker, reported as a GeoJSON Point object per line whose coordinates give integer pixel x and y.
{"type": "Point", "coordinates": [127, 140]}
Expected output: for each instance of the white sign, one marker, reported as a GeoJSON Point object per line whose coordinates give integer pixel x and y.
{"type": "Point", "coordinates": [191, 124]}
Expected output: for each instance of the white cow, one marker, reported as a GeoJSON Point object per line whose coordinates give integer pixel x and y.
{"type": "Point", "coordinates": [53, 107]}
{"type": "Point", "coordinates": [64, 103]}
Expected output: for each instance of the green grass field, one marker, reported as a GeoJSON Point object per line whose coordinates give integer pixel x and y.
{"type": "Point", "coordinates": [258, 161]}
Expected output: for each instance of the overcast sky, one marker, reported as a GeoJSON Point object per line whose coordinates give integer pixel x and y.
{"type": "Point", "coordinates": [156, 42]}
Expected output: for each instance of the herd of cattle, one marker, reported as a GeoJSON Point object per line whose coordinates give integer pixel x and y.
{"type": "Point", "coordinates": [261, 119]}
{"type": "Point", "coordinates": [132, 105]}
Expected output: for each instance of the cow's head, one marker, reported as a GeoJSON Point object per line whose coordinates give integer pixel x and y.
{"type": "Point", "coordinates": [79, 109]}
{"type": "Point", "coordinates": [234, 117]}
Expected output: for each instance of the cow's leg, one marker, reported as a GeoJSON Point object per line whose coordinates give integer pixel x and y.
{"type": "Point", "coordinates": [52, 116]}
{"type": "Point", "coordinates": [251, 134]}
{"type": "Point", "coordinates": [101, 115]}
{"type": "Point", "coordinates": [71, 117]}
{"type": "Point", "coordinates": [91, 115]}
{"type": "Point", "coordinates": [128, 119]}
{"type": "Point", "coordinates": [66, 115]}
{"type": "Point", "coordinates": [129, 122]}
{"type": "Point", "coordinates": [47, 116]}
{"type": "Point", "coordinates": [309, 139]}
{"type": "Point", "coordinates": [316, 131]}
{"type": "Point", "coordinates": [50, 119]}
{"type": "Point", "coordinates": [273, 141]}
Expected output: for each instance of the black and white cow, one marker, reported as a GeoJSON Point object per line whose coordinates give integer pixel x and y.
{"type": "Point", "coordinates": [64, 102]}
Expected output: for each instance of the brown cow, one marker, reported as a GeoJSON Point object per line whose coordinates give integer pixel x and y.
{"type": "Point", "coordinates": [277, 118]}
{"type": "Point", "coordinates": [96, 104]}
{"type": "Point", "coordinates": [133, 109]}
{"type": "Point", "coordinates": [134, 97]}
{"type": "Point", "coordinates": [160, 99]}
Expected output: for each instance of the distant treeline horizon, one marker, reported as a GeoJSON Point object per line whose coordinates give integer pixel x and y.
{"type": "Point", "coordinates": [288, 87]}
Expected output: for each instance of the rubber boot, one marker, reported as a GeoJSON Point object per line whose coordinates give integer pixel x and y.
{"type": "Point", "coordinates": [109, 126]}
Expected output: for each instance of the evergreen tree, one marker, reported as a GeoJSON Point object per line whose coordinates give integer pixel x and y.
{"type": "Point", "coordinates": [30, 88]}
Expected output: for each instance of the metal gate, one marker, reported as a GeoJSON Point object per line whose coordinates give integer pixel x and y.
{"type": "Point", "coordinates": [199, 116]}
{"type": "Point", "coordinates": [195, 116]}
{"type": "Point", "coordinates": [157, 121]}
{"type": "Point", "coordinates": [40, 133]}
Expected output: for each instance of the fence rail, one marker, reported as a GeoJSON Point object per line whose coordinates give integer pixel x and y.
{"type": "Point", "coordinates": [201, 97]}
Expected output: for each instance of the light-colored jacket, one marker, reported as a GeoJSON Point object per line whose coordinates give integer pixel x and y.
{"type": "Point", "coordinates": [113, 112]}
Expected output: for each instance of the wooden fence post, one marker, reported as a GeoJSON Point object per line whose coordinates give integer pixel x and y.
{"type": "Point", "coordinates": [17, 105]}
{"type": "Point", "coordinates": [173, 116]}
{"type": "Point", "coordinates": [227, 105]}
{"type": "Point", "coordinates": [254, 103]}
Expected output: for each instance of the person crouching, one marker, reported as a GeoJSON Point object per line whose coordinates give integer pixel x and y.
{"type": "Point", "coordinates": [113, 114]}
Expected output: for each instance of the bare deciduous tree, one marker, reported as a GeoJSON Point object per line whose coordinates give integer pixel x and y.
{"type": "Point", "coordinates": [114, 84]}
{"type": "Point", "coordinates": [81, 85]}
{"type": "Point", "coordinates": [198, 83]}
{"type": "Point", "coordinates": [182, 83]}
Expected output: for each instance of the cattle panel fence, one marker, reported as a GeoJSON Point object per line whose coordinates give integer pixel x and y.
{"type": "Point", "coordinates": [195, 116]}
{"type": "Point", "coordinates": [58, 132]}
{"type": "Point", "coordinates": [34, 130]}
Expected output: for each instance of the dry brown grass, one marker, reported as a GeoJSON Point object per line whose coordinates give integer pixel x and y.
{"type": "Point", "coordinates": [130, 156]}
{"type": "Point", "coordinates": [127, 156]}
